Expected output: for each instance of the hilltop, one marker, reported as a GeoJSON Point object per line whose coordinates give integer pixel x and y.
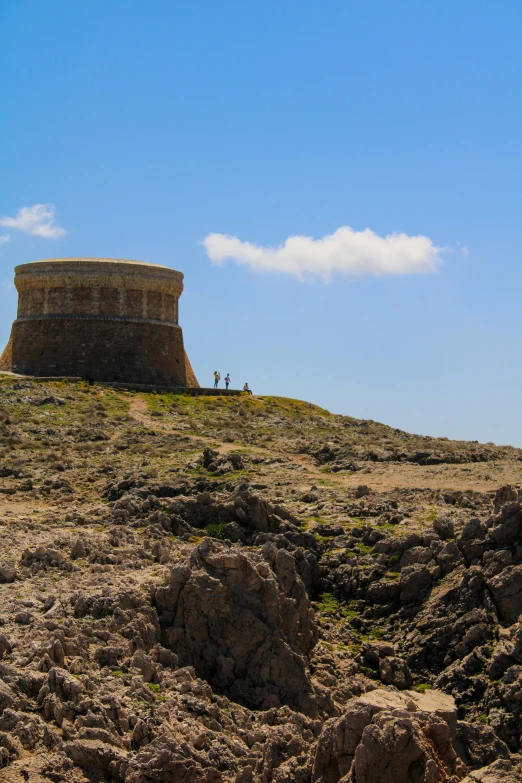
{"type": "Point", "coordinates": [252, 589]}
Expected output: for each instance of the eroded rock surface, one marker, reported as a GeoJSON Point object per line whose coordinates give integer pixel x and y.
{"type": "Point", "coordinates": [252, 591]}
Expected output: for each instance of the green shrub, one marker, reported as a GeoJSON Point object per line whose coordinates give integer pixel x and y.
{"type": "Point", "coordinates": [422, 687]}
{"type": "Point", "coordinates": [368, 672]}
{"type": "Point", "coordinates": [216, 531]}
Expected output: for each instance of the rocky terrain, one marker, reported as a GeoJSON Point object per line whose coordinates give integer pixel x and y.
{"type": "Point", "coordinates": [252, 590]}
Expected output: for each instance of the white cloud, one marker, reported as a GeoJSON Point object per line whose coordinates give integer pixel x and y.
{"type": "Point", "coordinates": [4, 238]}
{"type": "Point", "coordinates": [37, 220]}
{"type": "Point", "coordinates": [345, 252]}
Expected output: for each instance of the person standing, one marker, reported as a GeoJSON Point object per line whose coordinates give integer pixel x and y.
{"type": "Point", "coordinates": [227, 380]}
{"type": "Point", "coordinates": [217, 378]}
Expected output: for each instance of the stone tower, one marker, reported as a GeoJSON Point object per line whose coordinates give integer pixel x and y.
{"type": "Point", "coordinates": [103, 319]}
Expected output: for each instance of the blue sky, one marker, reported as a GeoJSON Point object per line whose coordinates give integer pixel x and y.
{"type": "Point", "coordinates": [150, 124]}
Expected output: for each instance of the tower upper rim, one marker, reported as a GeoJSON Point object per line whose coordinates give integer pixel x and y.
{"type": "Point", "coordinates": [88, 261]}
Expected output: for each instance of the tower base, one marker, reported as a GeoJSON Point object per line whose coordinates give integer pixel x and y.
{"type": "Point", "coordinates": [99, 349]}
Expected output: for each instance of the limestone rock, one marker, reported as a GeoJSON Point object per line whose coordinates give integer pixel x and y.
{"type": "Point", "coordinates": [383, 737]}
{"type": "Point", "coordinates": [415, 581]}
{"type": "Point", "coordinates": [7, 573]}
{"type": "Point", "coordinates": [506, 588]}
{"type": "Point", "coordinates": [395, 671]}
{"type": "Point", "coordinates": [501, 771]}
{"type": "Point", "coordinates": [481, 744]}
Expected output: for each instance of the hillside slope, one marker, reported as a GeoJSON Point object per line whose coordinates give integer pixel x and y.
{"type": "Point", "coordinates": [251, 589]}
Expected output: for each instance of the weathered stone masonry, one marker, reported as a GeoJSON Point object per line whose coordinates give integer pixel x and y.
{"type": "Point", "coordinates": [99, 318]}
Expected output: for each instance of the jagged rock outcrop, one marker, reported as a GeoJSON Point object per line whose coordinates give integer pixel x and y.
{"type": "Point", "coordinates": [245, 623]}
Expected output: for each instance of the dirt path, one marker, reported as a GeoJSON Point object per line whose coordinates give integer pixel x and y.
{"type": "Point", "coordinates": [138, 410]}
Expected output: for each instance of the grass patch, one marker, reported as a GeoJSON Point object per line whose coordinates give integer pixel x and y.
{"type": "Point", "coordinates": [329, 604]}
{"type": "Point", "coordinates": [393, 562]}
{"type": "Point", "coordinates": [331, 607]}
{"type": "Point", "coordinates": [323, 539]}
{"type": "Point", "coordinates": [376, 633]}
{"type": "Point", "coordinates": [226, 478]}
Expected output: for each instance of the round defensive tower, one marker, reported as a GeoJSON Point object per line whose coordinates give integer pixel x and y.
{"type": "Point", "coordinates": [103, 319]}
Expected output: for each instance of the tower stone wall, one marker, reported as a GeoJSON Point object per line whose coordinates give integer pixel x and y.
{"type": "Point", "coordinates": [99, 318]}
